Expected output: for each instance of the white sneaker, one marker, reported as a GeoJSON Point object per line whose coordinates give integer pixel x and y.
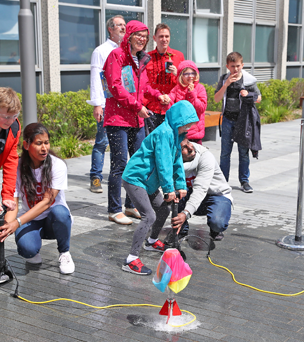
{"type": "Point", "coordinates": [34, 260]}
{"type": "Point", "coordinates": [66, 263]}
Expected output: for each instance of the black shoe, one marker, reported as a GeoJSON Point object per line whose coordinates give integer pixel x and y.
{"type": "Point", "coordinates": [182, 234]}
{"type": "Point", "coordinates": [96, 185]}
{"type": "Point", "coordinates": [246, 187]}
{"type": "Point", "coordinates": [216, 236]}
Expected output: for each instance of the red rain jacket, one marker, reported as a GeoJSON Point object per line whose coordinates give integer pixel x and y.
{"type": "Point", "coordinates": [9, 161]}
{"type": "Point", "coordinates": [122, 108]}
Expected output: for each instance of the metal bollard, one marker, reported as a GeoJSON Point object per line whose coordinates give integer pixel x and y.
{"type": "Point", "coordinates": [294, 242]}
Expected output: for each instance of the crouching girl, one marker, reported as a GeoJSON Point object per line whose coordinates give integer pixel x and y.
{"type": "Point", "coordinates": [157, 163]}
{"type": "Point", "coordinates": [41, 181]}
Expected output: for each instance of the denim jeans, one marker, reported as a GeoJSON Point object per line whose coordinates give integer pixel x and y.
{"type": "Point", "coordinates": [217, 209]}
{"type": "Point", "coordinates": [57, 225]}
{"type": "Point", "coordinates": [121, 140]}
{"type": "Point", "coordinates": [226, 149]}
{"type": "Point", "coordinates": [99, 148]}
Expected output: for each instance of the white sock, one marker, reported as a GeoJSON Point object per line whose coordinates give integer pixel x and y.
{"type": "Point", "coordinates": [131, 258]}
{"type": "Point", "coordinates": [152, 240]}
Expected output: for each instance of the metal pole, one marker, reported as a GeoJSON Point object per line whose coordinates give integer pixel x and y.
{"type": "Point", "coordinates": [290, 241]}
{"type": "Point", "coordinates": [27, 62]}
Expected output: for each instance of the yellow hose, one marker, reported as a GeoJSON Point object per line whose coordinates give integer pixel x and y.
{"type": "Point", "coordinates": [107, 307]}
{"type": "Point", "coordinates": [252, 287]}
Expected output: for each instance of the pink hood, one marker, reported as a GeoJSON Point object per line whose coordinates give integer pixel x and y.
{"type": "Point", "coordinates": [187, 64]}
{"type": "Point", "coordinates": [132, 26]}
{"type": "Point", "coordinates": [198, 97]}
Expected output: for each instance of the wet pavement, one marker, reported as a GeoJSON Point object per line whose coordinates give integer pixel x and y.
{"type": "Point", "coordinates": [224, 310]}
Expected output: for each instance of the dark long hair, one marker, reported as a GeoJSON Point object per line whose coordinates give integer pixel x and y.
{"type": "Point", "coordinates": [28, 179]}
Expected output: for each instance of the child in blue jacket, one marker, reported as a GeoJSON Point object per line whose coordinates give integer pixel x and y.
{"type": "Point", "coordinates": [157, 163]}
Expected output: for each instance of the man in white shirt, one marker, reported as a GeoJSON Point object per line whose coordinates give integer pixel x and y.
{"type": "Point", "coordinates": [116, 27]}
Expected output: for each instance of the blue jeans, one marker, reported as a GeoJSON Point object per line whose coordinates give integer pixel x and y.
{"type": "Point", "coordinates": [57, 225]}
{"type": "Point", "coordinates": [121, 140]}
{"type": "Point", "coordinates": [217, 209]}
{"type": "Point", "coordinates": [226, 149]}
{"type": "Point", "coordinates": [99, 148]}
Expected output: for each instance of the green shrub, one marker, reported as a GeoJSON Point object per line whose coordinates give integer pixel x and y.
{"type": "Point", "coordinates": [66, 115]}
{"type": "Point", "coordinates": [211, 104]}
{"type": "Point", "coordinates": [71, 147]}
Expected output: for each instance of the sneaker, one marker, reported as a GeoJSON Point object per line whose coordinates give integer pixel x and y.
{"type": "Point", "coordinates": [34, 260]}
{"type": "Point", "coordinates": [132, 212]}
{"type": "Point", "coordinates": [246, 187]}
{"type": "Point", "coordinates": [136, 267]}
{"type": "Point", "coordinates": [96, 185]}
{"type": "Point", "coordinates": [216, 236]}
{"type": "Point", "coordinates": [157, 246]}
{"type": "Point", "coordinates": [66, 263]}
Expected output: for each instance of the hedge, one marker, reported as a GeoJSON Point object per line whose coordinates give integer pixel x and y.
{"type": "Point", "coordinates": [68, 114]}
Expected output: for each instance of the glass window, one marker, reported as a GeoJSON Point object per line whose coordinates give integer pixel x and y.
{"type": "Point", "coordinates": [126, 2]}
{"type": "Point", "coordinates": [295, 11]}
{"type": "Point", "coordinates": [242, 41]}
{"type": "Point", "coordinates": [74, 80]}
{"type": "Point", "coordinates": [209, 76]}
{"type": "Point", "coordinates": [178, 29]}
{"type": "Point", "coordinates": [293, 43]}
{"type": "Point", "coordinates": [175, 6]}
{"type": "Point", "coordinates": [209, 6]}
{"type": "Point", "coordinates": [13, 80]}
{"type": "Point", "coordinates": [83, 2]}
{"type": "Point", "coordinates": [205, 40]}
{"type": "Point", "coordinates": [79, 34]}
{"type": "Point", "coordinates": [264, 44]}
{"type": "Point", "coordinates": [9, 35]}
{"type": "Point", "coordinates": [128, 16]}
{"type": "Point", "coordinates": [292, 72]}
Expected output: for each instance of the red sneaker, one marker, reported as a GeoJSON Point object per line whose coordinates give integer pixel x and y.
{"type": "Point", "coordinates": [136, 267]}
{"type": "Point", "coordinates": [157, 246]}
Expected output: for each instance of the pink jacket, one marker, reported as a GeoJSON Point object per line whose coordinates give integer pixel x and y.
{"type": "Point", "coordinates": [198, 97]}
{"type": "Point", "coordinates": [122, 108]}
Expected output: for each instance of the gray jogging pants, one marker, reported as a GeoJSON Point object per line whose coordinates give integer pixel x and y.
{"type": "Point", "coordinates": [153, 210]}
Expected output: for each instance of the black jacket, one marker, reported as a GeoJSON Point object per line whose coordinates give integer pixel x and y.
{"type": "Point", "coordinates": [247, 129]}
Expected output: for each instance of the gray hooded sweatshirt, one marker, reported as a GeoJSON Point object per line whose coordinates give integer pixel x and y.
{"type": "Point", "coordinates": [204, 175]}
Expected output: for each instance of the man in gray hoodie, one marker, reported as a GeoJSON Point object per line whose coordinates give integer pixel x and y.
{"type": "Point", "coordinates": [208, 192]}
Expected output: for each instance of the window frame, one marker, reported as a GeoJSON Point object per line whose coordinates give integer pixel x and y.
{"type": "Point", "coordinates": [38, 47]}
{"type": "Point", "coordinates": [254, 22]}
{"type": "Point", "coordinates": [300, 62]}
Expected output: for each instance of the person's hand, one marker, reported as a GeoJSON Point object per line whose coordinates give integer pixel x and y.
{"type": "Point", "coordinates": [143, 113]}
{"type": "Point", "coordinates": [98, 113]}
{"type": "Point", "coordinates": [8, 229]}
{"type": "Point", "coordinates": [190, 86]}
{"type": "Point", "coordinates": [178, 221]}
{"type": "Point", "coordinates": [11, 205]}
{"type": "Point", "coordinates": [171, 197]}
{"type": "Point", "coordinates": [164, 99]}
{"type": "Point", "coordinates": [182, 193]}
{"type": "Point", "coordinates": [232, 78]}
{"type": "Point", "coordinates": [244, 92]}
{"type": "Point", "coordinates": [173, 69]}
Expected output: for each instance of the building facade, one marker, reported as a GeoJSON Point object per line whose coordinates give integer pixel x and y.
{"type": "Point", "coordinates": [268, 33]}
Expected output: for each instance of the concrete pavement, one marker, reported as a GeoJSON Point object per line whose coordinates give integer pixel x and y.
{"type": "Point", "coordinates": [225, 311]}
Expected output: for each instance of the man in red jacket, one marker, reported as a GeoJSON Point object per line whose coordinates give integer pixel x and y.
{"type": "Point", "coordinates": [10, 131]}
{"type": "Point", "coordinates": [161, 71]}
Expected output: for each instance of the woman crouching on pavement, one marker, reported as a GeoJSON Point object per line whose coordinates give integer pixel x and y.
{"type": "Point", "coordinates": [41, 181]}
{"type": "Point", "coordinates": [157, 163]}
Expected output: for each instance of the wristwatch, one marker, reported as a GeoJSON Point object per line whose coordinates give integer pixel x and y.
{"type": "Point", "coordinates": [188, 215]}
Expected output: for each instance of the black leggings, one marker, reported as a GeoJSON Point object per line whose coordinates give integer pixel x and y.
{"type": "Point", "coordinates": [153, 210]}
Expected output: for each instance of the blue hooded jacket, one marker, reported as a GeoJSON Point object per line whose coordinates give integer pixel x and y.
{"type": "Point", "coordinates": [158, 162]}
